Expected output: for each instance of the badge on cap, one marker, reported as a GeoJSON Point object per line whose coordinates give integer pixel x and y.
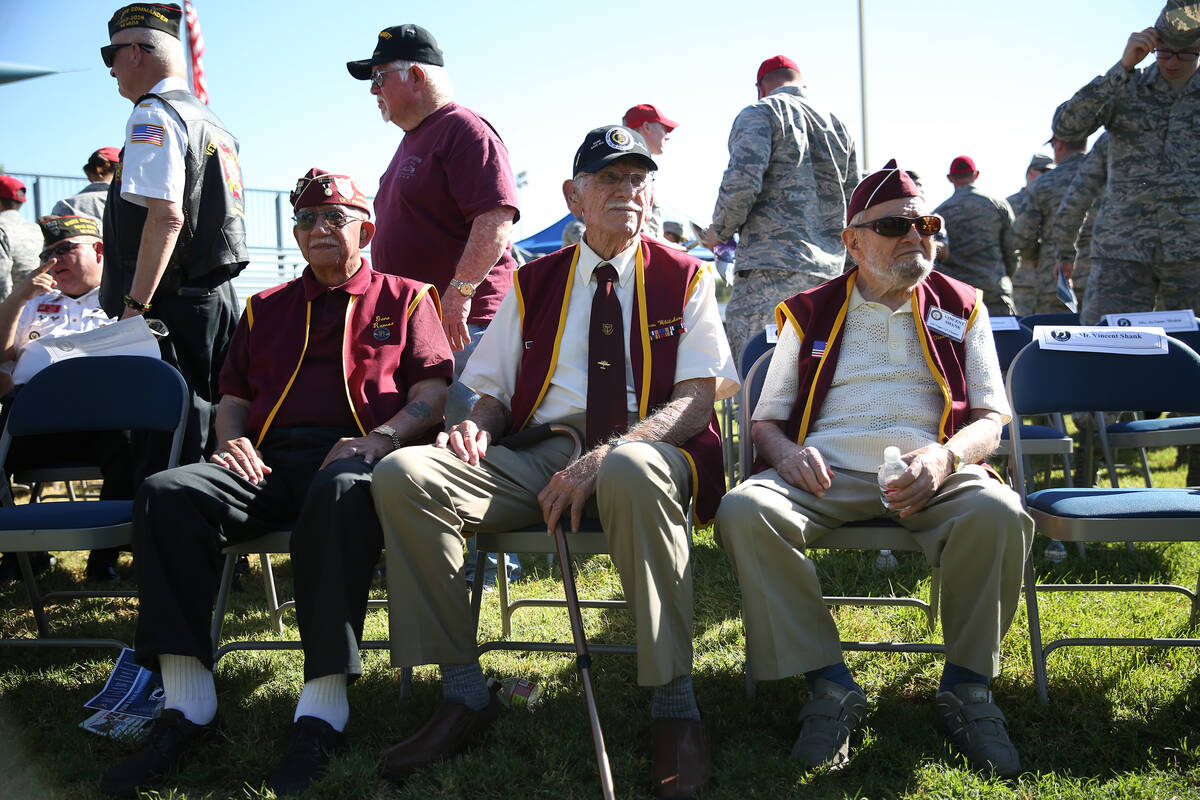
{"type": "Point", "coordinates": [618, 139]}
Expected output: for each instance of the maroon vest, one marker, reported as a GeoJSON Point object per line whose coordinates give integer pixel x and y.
{"type": "Point", "coordinates": [664, 283]}
{"type": "Point", "coordinates": [819, 315]}
{"type": "Point", "coordinates": [278, 319]}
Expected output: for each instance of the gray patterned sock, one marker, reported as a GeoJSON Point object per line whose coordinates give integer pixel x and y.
{"type": "Point", "coordinates": [675, 700]}
{"type": "Point", "coordinates": [464, 683]}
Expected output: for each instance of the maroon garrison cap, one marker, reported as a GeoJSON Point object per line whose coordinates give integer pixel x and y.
{"type": "Point", "coordinates": [320, 187]}
{"type": "Point", "coordinates": [889, 183]}
{"type": "Point", "coordinates": [962, 165]}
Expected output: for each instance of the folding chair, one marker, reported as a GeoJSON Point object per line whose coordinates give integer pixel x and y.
{"type": "Point", "coordinates": [729, 406]}
{"type": "Point", "coordinates": [881, 534]}
{"type": "Point", "coordinates": [139, 394]}
{"type": "Point", "coordinates": [1041, 381]}
{"type": "Point", "coordinates": [1051, 318]}
{"type": "Point", "coordinates": [589, 540]}
{"type": "Point", "coordinates": [1143, 434]}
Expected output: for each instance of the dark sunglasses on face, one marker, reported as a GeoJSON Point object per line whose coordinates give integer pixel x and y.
{"type": "Point", "coordinates": [1163, 54]}
{"type": "Point", "coordinates": [896, 227]}
{"type": "Point", "coordinates": [109, 51]}
{"type": "Point", "coordinates": [306, 218]}
{"type": "Point", "coordinates": [60, 249]}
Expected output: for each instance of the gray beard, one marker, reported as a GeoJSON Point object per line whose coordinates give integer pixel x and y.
{"type": "Point", "coordinates": [912, 268]}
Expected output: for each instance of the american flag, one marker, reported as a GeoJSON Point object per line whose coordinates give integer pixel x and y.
{"type": "Point", "coordinates": [818, 349]}
{"type": "Point", "coordinates": [196, 48]}
{"type": "Point", "coordinates": [147, 134]}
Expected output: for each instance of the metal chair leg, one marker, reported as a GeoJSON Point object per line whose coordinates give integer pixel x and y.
{"type": "Point", "coordinates": [1037, 654]}
{"type": "Point", "coordinates": [264, 561]}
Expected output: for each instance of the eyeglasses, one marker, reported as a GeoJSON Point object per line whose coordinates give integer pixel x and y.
{"type": "Point", "coordinates": [1163, 54]}
{"type": "Point", "coordinates": [895, 227]}
{"type": "Point", "coordinates": [306, 218]}
{"type": "Point", "coordinates": [60, 249]}
{"type": "Point", "coordinates": [378, 79]}
{"type": "Point", "coordinates": [109, 51]}
{"type": "Point", "coordinates": [609, 178]}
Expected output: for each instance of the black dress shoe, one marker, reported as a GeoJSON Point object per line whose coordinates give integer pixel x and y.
{"type": "Point", "coordinates": [171, 737]}
{"type": "Point", "coordinates": [310, 744]}
{"type": "Point", "coordinates": [451, 730]}
{"type": "Point", "coordinates": [102, 565]}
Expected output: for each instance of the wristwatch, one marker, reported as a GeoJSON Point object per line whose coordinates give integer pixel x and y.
{"type": "Point", "coordinates": [956, 461]}
{"type": "Point", "coordinates": [390, 433]}
{"type": "Point", "coordinates": [464, 288]}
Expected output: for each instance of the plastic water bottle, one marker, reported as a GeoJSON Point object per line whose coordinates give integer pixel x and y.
{"type": "Point", "coordinates": [892, 465]}
{"type": "Point", "coordinates": [1055, 552]}
{"type": "Point", "coordinates": [518, 693]}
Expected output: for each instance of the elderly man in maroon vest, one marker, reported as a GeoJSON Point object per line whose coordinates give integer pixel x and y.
{"type": "Point", "coordinates": [620, 336]}
{"type": "Point", "coordinates": [887, 354]}
{"type": "Point", "coordinates": [325, 375]}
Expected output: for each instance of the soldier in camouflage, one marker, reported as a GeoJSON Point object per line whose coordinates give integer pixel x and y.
{"type": "Point", "coordinates": [1071, 233]}
{"type": "Point", "coordinates": [20, 239]}
{"type": "Point", "coordinates": [1022, 279]}
{"type": "Point", "coordinates": [1146, 238]}
{"type": "Point", "coordinates": [982, 250]}
{"type": "Point", "coordinates": [1032, 226]}
{"type": "Point", "coordinates": [791, 169]}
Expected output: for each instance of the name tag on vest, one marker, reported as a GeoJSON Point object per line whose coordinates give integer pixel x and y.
{"type": "Point", "coordinates": [945, 323]}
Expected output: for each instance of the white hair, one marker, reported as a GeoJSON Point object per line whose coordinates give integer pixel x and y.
{"type": "Point", "coordinates": [167, 53]}
{"type": "Point", "coordinates": [437, 77]}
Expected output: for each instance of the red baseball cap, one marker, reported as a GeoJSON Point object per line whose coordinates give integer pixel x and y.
{"type": "Point", "coordinates": [641, 114]}
{"type": "Point", "coordinates": [11, 189]}
{"type": "Point", "coordinates": [773, 63]}
{"type": "Point", "coordinates": [962, 165]}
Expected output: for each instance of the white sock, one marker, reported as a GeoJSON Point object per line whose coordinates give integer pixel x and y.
{"type": "Point", "coordinates": [189, 688]}
{"type": "Point", "coordinates": [325, 698]}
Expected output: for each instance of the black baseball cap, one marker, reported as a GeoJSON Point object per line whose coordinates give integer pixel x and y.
{"type": "Point", "coordinates": [604, 145]}
{"type": "Point", "coordinates": [399, 43]}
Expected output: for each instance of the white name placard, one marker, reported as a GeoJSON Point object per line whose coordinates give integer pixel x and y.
{"type": "Point", "coordinates": [772, 333]}
{"type": "Point", "coordinates": [1169, 321]}
{"type": "Point", "coordinates": [1097, 339]}
{"type": "Point", "coordinates": [1005, 323]}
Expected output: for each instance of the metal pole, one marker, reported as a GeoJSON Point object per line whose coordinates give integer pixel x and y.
{"type": "Point", "coordinates": [865, 164]}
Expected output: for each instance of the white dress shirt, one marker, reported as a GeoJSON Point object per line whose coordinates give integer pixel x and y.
{"type": "Point", "coordinates": [148, 169]}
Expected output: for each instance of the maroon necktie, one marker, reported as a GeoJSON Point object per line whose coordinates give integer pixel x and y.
{"type": "Point", "coordinates": [606, 410]}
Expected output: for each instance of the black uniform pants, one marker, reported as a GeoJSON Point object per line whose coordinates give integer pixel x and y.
{"type": "Point", "coordinates": [184, 516]}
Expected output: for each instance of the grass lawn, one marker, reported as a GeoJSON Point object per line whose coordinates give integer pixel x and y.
{"type": "Point", "coordinates": [1122, 723]}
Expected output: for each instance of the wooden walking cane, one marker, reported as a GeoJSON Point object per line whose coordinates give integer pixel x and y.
{"type": "Point", "coordinates": [583, 660]}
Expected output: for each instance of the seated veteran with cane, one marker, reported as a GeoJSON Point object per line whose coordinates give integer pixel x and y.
{"type": "Point", "coordinates": [326, 374]}
{"type": "Point", "coordinates": [620, 336]}
{"type": "Point", "coordinates": [890, 353]}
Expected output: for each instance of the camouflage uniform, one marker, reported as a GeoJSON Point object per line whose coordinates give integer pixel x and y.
{"type": "Point", "coordinates": [1071, 234]}
{"type": "Point", "coordinates": [982, 247]}
{"type": "Point", "coordinates": [1022, 279]}
{"type": "Point", "coordinates": [1031, 228]}
{"type": "Point", "coordinates": [791, 170]}
{"type": "Point", "coordinates": [1146, 237]}
{"type": "Point", "coordinates": [24, 239]}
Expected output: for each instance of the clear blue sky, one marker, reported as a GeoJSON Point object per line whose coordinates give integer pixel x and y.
{"type": "Point", "coordinates": [944, 77]}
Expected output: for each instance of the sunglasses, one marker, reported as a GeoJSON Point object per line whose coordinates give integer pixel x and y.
{"type": "Point", "coordinates": [335, 218]}
{"type": "Point", "coordinates": [60, 249]}
{"type": "Point", "coordinates": [896, 227]}
{"type": "Point", "coordinates": [109, 51]}
{"type": "Point", "coordinates": [609, 178]}
{"type": "Point", "coordinates": [379, 77]}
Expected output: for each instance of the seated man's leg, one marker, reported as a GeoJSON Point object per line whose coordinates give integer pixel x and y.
{"type": "Point", "coordinates": [977, 531]}
{"type": "Point", "coordinates": [425, 497]}
{"type": "Point", "coordinates": [765, 524]}
{"type": "Point", "coordinates": [180, 519]}
{"type": "Point", "coordinates": [335, 545]}
{"type": "Point", "coordinates": [642, 493]}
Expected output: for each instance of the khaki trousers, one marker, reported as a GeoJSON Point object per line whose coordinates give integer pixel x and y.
{"type": "Point", "coordinates": [426, 497]}
{"type": "Point", "coordinates": [974, 528]}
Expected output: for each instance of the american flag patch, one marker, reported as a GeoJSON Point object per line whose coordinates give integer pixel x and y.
{"type": "Point", "coordinates": [48, 308]}
{"type": "Point", "coordinates": [818, 349]}
{"type": "Point", "coordinates": [147, 134]}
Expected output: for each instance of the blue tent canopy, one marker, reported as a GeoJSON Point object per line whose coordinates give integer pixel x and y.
{"type": "Point", "coordinates": [548, 240]}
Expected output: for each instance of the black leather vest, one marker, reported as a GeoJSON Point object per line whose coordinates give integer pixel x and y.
{"type": "Point", "coordinates": [212, 245]}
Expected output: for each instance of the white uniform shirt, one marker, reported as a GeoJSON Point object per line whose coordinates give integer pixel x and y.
{"type": "Point", "coordinates": [703, 349]}
{"type": "Point", "coordinates": [155, 146]}
{"type": "Point", "coordinates": [882, 391]}
{"type": "Point", "coordinates": [54, 314]}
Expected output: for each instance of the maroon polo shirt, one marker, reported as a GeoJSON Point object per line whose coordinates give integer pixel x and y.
{"type": "Point", "coordinates": [447, 171]}
{"type": "Point", "coordinates": [318, 393]}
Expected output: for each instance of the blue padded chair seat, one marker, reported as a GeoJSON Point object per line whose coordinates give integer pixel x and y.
{"type": "Point", "coordinates": [1153, 425]}
{"type": "Point", "coordinates": [1034, 432]}
{"type": "Point", "coordinates": [60, 516]}
{"type": "Point", "coordinates": [1117, 503]}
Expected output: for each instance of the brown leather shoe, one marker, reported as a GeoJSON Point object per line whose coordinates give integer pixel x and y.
{"type": "Point", "coordinates": [681, 765]}
{"type": "Point", "coordinates": [451, 730]}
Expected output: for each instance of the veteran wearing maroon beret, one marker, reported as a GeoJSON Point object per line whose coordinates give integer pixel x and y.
{"type": "Point", "coordinates": [325, 375]}
{"type": "Point", "coordinates": [889, 354]}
